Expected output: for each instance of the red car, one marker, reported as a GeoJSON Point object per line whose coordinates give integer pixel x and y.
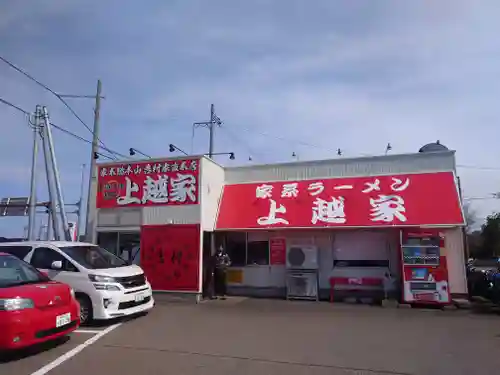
{"type": "Point", "coordinates": [33, 308]}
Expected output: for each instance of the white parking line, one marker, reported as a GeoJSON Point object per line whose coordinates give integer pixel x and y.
{"type": "Point", "coordinates": [57, 362]}
{"type": "Point", "coordinates": [92, 331]}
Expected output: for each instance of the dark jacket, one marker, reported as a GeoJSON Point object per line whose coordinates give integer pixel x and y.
{"type": "Point", "coordinates": [222, 260]}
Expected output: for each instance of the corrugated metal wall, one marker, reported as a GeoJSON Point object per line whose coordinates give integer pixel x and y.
{"type": "Point", "coordinates": [212, 181]}
{"type": "Point", "coordinates": [127, 216]}
{"type": "Point", "coordinates": [368, 166]}
{"type": "Point", "coordinates": [184, 214]}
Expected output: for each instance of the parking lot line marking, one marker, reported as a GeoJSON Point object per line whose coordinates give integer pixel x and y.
{"type": "Point", "coordinates": [88, 331]}
{"type": "Point", "coordinates": [58, 361]}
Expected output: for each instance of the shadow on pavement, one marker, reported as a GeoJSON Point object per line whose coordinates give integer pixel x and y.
{"type": "Point", "coordinates": [103, 324]}
{"type": "Point", "coordinates": [16, 355]}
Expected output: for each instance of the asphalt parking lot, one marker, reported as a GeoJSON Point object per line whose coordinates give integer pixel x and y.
{"type": "Point", "coordinates": [247, 336]}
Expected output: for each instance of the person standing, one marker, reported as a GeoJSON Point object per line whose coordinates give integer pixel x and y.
{"type": "Point", "coordinates": [389, 284]}
{"type": "Point", "coordinates": [222, 262]}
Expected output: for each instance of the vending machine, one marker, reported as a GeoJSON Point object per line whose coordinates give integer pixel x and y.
{"type": "Point", "coordinates": [425, 273]}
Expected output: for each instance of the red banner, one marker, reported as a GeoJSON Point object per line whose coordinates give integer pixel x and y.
{"type": "Point", "coordinates": [170, 256]}
{"type": "Point", "coordinates": [277, 251]}
{"type": "Point", "coordinates": [161, 182]}
{"type": "Point", "coordinates": [397, 200]}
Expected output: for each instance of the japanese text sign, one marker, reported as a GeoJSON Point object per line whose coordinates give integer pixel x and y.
{"type": "Point", "coordinates": [170, 256]}
{"type": "Point", "coordinates": [277, 251]}
{"type": "Point", "coordinates": [397, 200]}
{"type": "Point", "coordinates": [166, 182]}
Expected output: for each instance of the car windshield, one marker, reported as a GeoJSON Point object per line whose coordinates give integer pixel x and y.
{"type": "Point", "coordinates": [15, 272]}
{"type": "Point", "coordinates": [93, 257]}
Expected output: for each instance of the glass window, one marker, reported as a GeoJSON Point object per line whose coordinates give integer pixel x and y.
{"type": "Point", "coordinates": [17, 251]}
{"type": "Point", "coordinates": [258, 253]}
{"type": "Point", "coordinates": [93, 257]}
{"type": "Point", "coordinates": [128, 246]}
{"type": "Point", "coordinates": [236, 248]}
{"type": "Point", "coordinates": [43, 257]}
{"type": "Point", "coordinates": [14, 272]}
{"type": "Point", "coordinates": [108, 241]}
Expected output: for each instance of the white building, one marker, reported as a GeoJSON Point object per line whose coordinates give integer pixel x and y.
{"type": "Point", "coordinates": [305, 225]}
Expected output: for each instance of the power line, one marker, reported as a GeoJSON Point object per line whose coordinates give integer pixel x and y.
{"type": "Point", "coordinates": [6, 102]}
{"type": "Point", "coordinates": [87, 141]}
{"type": "Point", "coordinates": [245, 144]}
{"type": "Point", "coordinates": [27, 75]}
{"type": "Point", "coordinates": [14, 106]}
{"type": "Point", "coordinates": [295, 141]}
{"type": "Point", "coordinates": [478, 167]}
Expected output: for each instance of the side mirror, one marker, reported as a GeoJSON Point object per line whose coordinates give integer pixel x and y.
{"type": "Point", "coordinates": [56, 265]}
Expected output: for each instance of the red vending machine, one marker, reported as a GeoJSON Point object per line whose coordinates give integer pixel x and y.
{"type": "Point", "coordinates": [425, 273]}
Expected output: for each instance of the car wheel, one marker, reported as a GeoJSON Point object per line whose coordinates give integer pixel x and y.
{"type": "Point", "coordinates": [85, 309]}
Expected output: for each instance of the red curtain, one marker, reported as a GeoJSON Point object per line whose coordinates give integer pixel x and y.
{"type": "Point", "coordinates": [170, 256]}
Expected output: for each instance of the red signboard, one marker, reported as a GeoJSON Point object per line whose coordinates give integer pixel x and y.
{"type": "Point", "coordinates": [166, 182]}
{"type": "Point", "coordinates": [170, 256]}
{"type": "Point", "coordinates": [277, 251]}
{"type": "Point", "coordinates": [396, 200]}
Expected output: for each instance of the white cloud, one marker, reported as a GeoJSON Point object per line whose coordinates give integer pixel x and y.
{"type": "Point", "coordinates": [333, 74]}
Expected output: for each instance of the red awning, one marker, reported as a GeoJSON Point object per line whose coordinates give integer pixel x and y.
{"type": "Point", "coordinates": [395, 200]}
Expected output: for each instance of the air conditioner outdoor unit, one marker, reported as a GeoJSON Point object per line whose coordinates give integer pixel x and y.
{"type": "Point", "coordinates": [302, 285]}
{"type": "Point", "coordinates": [302, 257]}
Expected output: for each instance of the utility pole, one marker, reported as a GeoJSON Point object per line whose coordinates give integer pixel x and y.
{"type": "Point", "coordinates": [66, 236]}
{"type": "Point", "coordinates": [32, 201]}
{"type": "Point", "coordinates": [95, 145]}
{"type": "Point", "coordinates": [214, 120]}
{"type": "Point", "coordinates": [52, 218]}
{"type": "Point", "coordinates": [80, 204]}
{"type": "Point", "coordinates": [211, 132]}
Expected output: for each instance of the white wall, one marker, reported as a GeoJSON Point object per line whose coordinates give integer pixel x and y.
{"type": "Point", "coordinates": [455, 259]}
{"type": "Point", "coordinates": [366, 245]}
{"type": "Point", "coordinates": [351, 245]}
{"type": "Point", "coordinates": [212, 181]}
{"type": "Point", "coordinates": [343, 167]}
{"type": "Point", "coordinates": [274, 275]}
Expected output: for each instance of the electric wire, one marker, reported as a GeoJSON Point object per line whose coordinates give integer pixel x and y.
{"type": "Point", "coordinates": [6, 102]}
{"type": "Point", "coordinates": [245, 144]}
{"type": "Point", "coordinates": [14, 106]}
{"type": "Point", "coordinates": [87, 141]}
{"type": "Point", "coordinates": [45, 87]}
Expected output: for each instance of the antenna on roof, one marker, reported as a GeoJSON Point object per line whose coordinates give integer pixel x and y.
{"type": "Point", "coordinates": [388, 148]}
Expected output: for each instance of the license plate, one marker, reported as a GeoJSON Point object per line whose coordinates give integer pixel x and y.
{"type": "Point", "coordinates": [62, 320]}
{"type": "Point", "coordinates": [139, 297]}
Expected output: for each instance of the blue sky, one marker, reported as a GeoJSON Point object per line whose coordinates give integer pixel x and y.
{"type": "Point", "coordinates": [286, 76]}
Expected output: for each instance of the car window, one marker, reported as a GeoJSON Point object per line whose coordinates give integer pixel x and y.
{"type": "Point", "coordinates": [17, 251]}
{"type": "Point", "coordinates": [43, 258]}
{"type": "Point", "coordinates": [14, 272]}
{"type": "Point", "coordinates": [93, 257]}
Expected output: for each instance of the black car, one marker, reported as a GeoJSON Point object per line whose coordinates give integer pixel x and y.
{"type": "Point", "coordinates": [483, 278]}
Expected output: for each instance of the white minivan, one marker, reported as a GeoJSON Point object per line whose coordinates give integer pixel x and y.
{"type": "Point", "coordinates": [105, 285]}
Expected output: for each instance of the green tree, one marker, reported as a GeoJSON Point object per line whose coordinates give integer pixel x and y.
{"type": "Point", "coordinates": [490, 235]}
